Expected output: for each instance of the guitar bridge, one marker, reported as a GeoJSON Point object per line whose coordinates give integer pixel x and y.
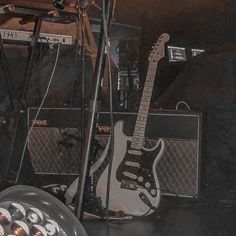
{"type": "Point", "coordinates": [130, 185]}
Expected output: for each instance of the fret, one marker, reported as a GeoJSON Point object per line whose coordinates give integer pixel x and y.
{"type": "Point", "coordinates": [143, 115]}
{"type": "Point", "coordinates": [140, 141]}
{"type": "Point", "coordinates": [141, 131]}
{"type": "Point", "coordinates": [141, 119]}
{"type": "Point", "coordinates": [148, 89]}
{"type": "Point", "coordinates": [137, 139]}
{"type": "Point", "coordinates": [146, 94]}
{"type": "Point", "coordinates": [137, 134]}
{"type": "Point", "coordinates": [141, 125]}
{"type": "Point", "coordinates": [146, 99]}
{"type": "Point", "coordinates": [136, 147]}
{"type": "Point", "coordinates": [139, 128]}
{"type": "Point", "coordinates": [151, 74]}
{"type": "Point", "coordinates": [141, 122]}
{"type": "Point", "coordinates": [144, 107]}
{"type": "Point", "coordinates": [137, 144]}
{"type": "Point", "coordinates": [152, 71]}
{"type": "Point", "coordinates": [152, 68]}
{"type": "Point", "coordinates": [149, 84]}
{"type": "Point", "coordinates": [141, 136]}
{"type": "Point", "coordinates": [142, 111]}
{"type": "Point", "coordinates": [150, 79]}
{"type": "Point", "coordinates": [144, 102]}
{"type": "Point", "coordinates": [153, 65]}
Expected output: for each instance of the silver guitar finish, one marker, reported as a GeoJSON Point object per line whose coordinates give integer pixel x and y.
{"type": "Point", "coordinates": [121, 199]}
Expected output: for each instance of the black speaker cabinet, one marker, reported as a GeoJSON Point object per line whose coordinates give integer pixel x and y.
{"type": "Point", "coordinates": [53, 143]}
{"type": "Point", "coordinates": [179, 168]}
{"type": "Point", "coordinates": [55, 149]}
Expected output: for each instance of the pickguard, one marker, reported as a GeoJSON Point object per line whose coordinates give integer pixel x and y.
{"type": "Point", "coordinates": [135, 170]}
{"type": "Point", "coordinates": [126, 191]}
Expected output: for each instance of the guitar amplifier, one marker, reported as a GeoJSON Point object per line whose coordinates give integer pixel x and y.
{"type": "Point", "coordinates": [179, 168]}
{"type": "Point", "coordinates": [54, 145]}
{"type": "Point", "coordinates": [54, 142]}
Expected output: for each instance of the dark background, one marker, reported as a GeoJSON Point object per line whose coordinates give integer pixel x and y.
{"type": "Point", "coordinates": [206, 82]}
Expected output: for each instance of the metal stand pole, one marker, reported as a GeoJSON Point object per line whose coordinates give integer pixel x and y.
{"type": "Point", "coordinates": [22, 98]}
{"type": "Point", "coordinates": [82, 60]}
{"type": "Point", "coordinates": [6, 73]}
{"type": "Point", "coordinates": [92, 119]}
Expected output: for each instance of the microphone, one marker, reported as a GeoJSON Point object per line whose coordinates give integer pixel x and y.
{"type": "Point", "coordinates": [83, 4]}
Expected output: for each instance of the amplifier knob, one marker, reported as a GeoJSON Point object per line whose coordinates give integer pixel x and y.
{"type": "Point", "coordinates": [147, 185]}
{"type": "Point", "coordinates": [153, 192]}
{"type": "Point", "coordinates": [140, 179]}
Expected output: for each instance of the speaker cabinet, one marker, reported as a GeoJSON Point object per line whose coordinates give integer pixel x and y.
{"type": "Point", "coordinates": [54, 145]}
{"type": "Point", "coordinates": [179, 168]}
{"type": "Point", "coordinates": [54, 142]}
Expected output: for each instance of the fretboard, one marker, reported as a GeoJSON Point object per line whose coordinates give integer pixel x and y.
{"type": "Point", "coordinates": [141, 121]}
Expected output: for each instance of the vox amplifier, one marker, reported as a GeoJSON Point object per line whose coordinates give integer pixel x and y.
{"type": "Point", "coordinates": [54, 144]}
{"type": "Point", "coordinates": [179, 168]}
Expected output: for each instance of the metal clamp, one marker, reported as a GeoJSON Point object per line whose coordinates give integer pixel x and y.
{"type": "Point", "coordinates": [9, 8]}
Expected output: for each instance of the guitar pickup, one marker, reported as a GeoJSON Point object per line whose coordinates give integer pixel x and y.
{"type": "Point", "coordinates": [130, 185]}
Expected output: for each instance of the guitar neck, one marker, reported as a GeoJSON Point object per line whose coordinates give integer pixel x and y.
{"type": "Point", "coordinates": [141, 121]}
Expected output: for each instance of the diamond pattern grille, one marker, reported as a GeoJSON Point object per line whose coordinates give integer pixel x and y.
{"type": "Point", "coordinates": [177, 170]}
{"type": "Point", "coordinates": [51, 154]}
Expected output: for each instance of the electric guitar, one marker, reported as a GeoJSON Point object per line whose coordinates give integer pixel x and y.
{"type": "Point", "coordinates": [134, 187]}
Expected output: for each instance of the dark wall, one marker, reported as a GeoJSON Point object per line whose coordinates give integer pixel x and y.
{"type": "Point", "coordinates": [206, 82]}
{"type": "Point", "coordinates": [196, 23]}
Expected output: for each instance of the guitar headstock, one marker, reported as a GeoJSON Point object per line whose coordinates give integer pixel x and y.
{"type": "Point", "coordinates": [158, 49]}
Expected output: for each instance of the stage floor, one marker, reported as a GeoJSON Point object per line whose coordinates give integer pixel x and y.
{"type": "Point", "coordinates": [174, 219]}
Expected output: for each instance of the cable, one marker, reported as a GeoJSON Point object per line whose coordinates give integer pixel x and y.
{"type": "Point", "coordinates": [42, 52]}
{"type": "Point", "coordinates": [65, 144]}
{"type": "Point", "coordinates": [36, 116]}
{"type": "Point", "coordinates": [107, 51]}
{"type": "Point", "coordinates": [182, 102]}
{"type": "Point", "coordinates": [20, 97]}
{"type": "Point", "coordinates": [135, 93]}
{"type": "Point", "coordinates": [8, 78]}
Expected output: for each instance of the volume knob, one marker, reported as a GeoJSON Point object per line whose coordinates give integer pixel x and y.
{"type": "Point", "coordinates": [140, 179]}
{"type": "Point", "coordinates": [147, 185]}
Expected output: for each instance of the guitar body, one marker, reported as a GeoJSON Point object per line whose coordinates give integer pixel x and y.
{"type": "Point", "coordinates": [133, 176]}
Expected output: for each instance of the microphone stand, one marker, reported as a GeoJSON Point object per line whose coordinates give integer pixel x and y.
{"type": "Point", "coordinates": [82, 63]}
{"type": "Point", "coordinates": [20, 107]}
{"type": "Point", "coordinates": [92, 118]}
